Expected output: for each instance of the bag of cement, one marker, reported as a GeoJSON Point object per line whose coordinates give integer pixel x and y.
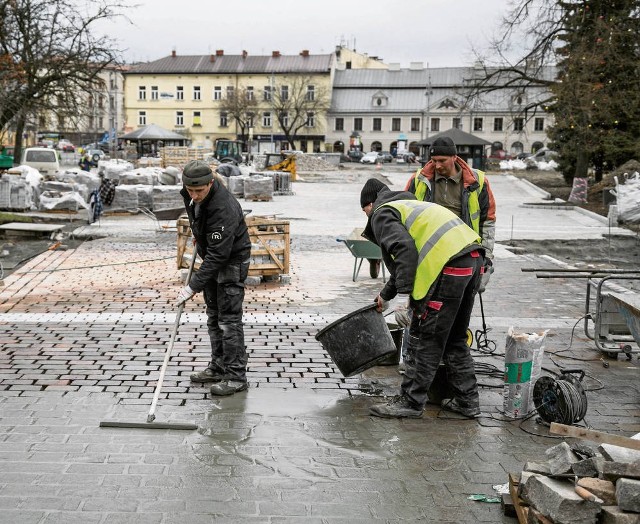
{"type": "Point", "coordinates": [170, 176]}
{"type": "Point", "coordinates": [228, 170]}
{"type": "Point", "coordinates": [236, 185]}
{"type": "Point", "coordinates": [628, 198]}
{"type": "Point", "coordinates": [522, 367]}
{"type": "Point", "coordinates": [258, 188]}
{"type": "Point", "coordinates": [112, 169]}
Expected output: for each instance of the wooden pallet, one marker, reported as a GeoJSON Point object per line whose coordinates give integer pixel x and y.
{"type": "Point", "coordinates": [270, 241]}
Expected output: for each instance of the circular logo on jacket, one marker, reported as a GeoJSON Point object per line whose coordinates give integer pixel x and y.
{"type": "Point", "coordinates": [216, 234]}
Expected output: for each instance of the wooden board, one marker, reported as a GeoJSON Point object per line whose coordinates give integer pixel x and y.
{"type": "Point", "coordinates": [594, 436]}
{"type": "Point", "coordinates": [521, 509]}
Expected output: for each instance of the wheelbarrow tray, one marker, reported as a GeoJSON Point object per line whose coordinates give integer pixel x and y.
{"type": "Point", "coordinates": [361, 249]}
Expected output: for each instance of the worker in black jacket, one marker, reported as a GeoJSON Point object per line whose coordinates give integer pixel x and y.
{"type": "Point", "coordinates": [222, 242]}
{"type": "Point", "coordinates": [434, 260]}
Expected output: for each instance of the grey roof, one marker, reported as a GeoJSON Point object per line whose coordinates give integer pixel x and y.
{"type": "Point", "coordinates": [153, 132]}
{"type": "Point", "coordinates": [235, 64]}
{"type": "Point", "coordinates": [406, 91]}
{"type": "Point", "coordinates": [459, 137]}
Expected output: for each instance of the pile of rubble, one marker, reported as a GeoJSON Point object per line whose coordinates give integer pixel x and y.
{"type": "Point", "coordinates": [312, 163]}
{"type": "Point", "coordinates": [580, 484]}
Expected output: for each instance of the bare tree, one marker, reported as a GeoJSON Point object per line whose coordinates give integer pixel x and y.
{"type": "Point", "coordinates": [297, 103]}
{"type": "Point", "coordinates": [50, 54]}
{"type": "Point", "coordinates": [241, 106]}
{"type": "Point", "coordinates": [555, 45]}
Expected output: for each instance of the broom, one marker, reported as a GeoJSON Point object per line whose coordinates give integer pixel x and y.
{"type": "Point", "coordinates": [150, 424]}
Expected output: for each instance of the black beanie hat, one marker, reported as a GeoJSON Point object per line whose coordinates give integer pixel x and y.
{"type": "Point", "coordinates": [443, 146]}
{"type": "Point", "coordinates": [196, 173]}
{"type": "Point", "coordinates": [370, 191]}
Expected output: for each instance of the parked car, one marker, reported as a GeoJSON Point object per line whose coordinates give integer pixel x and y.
{"type": "Point", "coordinates": [43, 159]}
{"type": "Point", "coordinates": [544, 155]}
{"type": "Point", "coordinates": [95, 154]}
{"type": "Point", "coordinates": [355, 154]}
{"type": "Point", "coordinates": [65, 146]}
{"type": "Point", "coordinates": [373, 157]}
{"type": "Point", "coordinates": [500, 154]}
{"type": "Point", "coordinates": [386, 156]}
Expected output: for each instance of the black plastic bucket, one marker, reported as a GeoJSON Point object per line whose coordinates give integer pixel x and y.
{"type": "Point", "coordinates": [397, 333]}
{"type": "Point", "coordinates": [357, 341]}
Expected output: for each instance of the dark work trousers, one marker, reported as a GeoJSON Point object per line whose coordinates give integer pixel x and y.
{"type": "Point", "coordinates": [224, 298]}
{"type": "Point", "coordinates": [440, 333]}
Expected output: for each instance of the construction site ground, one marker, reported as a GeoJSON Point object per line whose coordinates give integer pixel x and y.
{"type": "Point", "coordinates": [85, 328]}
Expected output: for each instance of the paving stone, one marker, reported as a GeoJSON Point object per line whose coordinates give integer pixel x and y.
{"type": "Point", "coordinates": [628, 494]}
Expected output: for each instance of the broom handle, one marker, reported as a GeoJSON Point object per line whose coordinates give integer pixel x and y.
{"type": "Point", "coordinates": [151, 416]}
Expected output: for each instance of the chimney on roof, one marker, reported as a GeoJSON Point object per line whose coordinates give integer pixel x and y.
{"type": "Point", "coordinates": [219, 52]}
{"type": "Point", "coordinates": [173, 53]}
{"type": "Point", "coordinates": [304, 52]}
{"type": "Point", "coordinates": [244, 54]}
{"type": "Point", "coordinates": [212, 58]}
{"type": "Point", "coordinates": [275, 54]}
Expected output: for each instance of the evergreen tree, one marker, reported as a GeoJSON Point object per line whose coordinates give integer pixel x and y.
{"type": "Point", "coordinates": [597, 97]}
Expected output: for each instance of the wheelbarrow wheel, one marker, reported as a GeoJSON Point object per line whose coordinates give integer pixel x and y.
{"type": "Point", "coordinates": [374, 267]}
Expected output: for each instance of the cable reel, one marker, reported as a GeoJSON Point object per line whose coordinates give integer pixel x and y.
{"type": "Point", "coordinates": [562, 400]}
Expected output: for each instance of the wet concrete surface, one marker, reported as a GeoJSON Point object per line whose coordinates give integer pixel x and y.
{"type": "Point", "coordinates": [83, 338]}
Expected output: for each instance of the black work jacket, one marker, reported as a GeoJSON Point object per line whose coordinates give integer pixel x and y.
{"type": "Point", "coordinates": [220, 232]}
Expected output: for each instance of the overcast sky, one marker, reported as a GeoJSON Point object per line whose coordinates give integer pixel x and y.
{"type": "Point", "coordinates": [436, 32]}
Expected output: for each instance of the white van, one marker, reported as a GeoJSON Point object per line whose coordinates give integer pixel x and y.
{"type": "Point", "coordinates": [43, 159]}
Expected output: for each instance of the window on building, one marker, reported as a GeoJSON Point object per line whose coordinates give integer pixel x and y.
{"type": "Point", "coordinates": [477, 124]}
{"type": "Point", "coordinates": [284, 92]}
{"type": "Point", "coordinates": [357, 124]}
{"type": "Point", "coordinates": [497, 124]}
{"type": "Point", "coordinates": [101, 99]}
{"type": "Point", "coordinates": [197, 119]}
{"type": "Point", "coordinates": [250, 118]}
{"type": "Point", "coordinates": [230, 92]}
{"type": "Point", "coordinates": [311, 93]}
{"type": "Point", "coordinates": [311, 121]}
{"type": "Point", "coordinates": [435, 124]}
{"type": "Point", "coordinates": [179, 118]}
{"type": "Point", "coordinates": [377, 124]}
{"type": "Point", "coordinates": [457, 123]}
{"type": "Point", "coordinates": [339, 124]}
{"type": "Point", "coordinates": [249, 92]}
{"type": "Point", "coordinates": [224, 119]}
{"type": "Point", "coordinates": [179, 93]}
{"type": "Point", "coordinates": [284, 118]}
{"type": "Point", "coordinates": [100, 122]}
{"type": "Point", "coordinates": [538, 124]}
{"type": "Point", "coordinates": [415, 124]}
{"type": "Point", "coordinates": [395, 124]}
{"type": "Point", "coordinates": [266, 119]}
{"type": "Point", "coordinates": [154, 92]}
{"type": "Point", "coordinates": [196, 93]}
{"type": "Point", "coordinates": [142, 118]}
{"type": "Point", "coordinates": [266, 94]}
{"type": "Point", "coordinates": [518, 124]}
{"type": "Point", "coordinates": [217, 93]}
{"type": "Point", "coordinates": [142, 93]}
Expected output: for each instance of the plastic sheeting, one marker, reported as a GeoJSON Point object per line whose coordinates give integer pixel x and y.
{"type": "Point", "coordinates": [628, 198]}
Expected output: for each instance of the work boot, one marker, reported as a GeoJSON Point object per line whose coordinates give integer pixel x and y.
{"type": "Point", "coordinates": [227, 387]}
{"type": "Point", "coordinates": [207, 375]}
{"type": "Point", "coordinates": [452, 404]}
{"type": "Point", "coordinates": [399, 407]}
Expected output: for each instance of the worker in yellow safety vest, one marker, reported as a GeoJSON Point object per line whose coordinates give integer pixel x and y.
{"type": "Point", "coordinates": [435, 262]}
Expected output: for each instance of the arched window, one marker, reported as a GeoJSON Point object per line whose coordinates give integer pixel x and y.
{"type": "Point", "coordinates": [338, 146]}
{"type": "Point", "coordinates": [516, 148]}
{"type": "Point", "coordinates": [376, 146]}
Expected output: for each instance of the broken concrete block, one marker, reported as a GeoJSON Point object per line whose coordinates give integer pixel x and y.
{"type": "Point", "coordinates": [604, 489]}
{"type": "Point", "coordinates": [591, 467]}
{"type": "Point", "coordinates": [253, 280]}
{"type": "Point", "coordinates": [619, 454]}
{"type": "Point", "coordinates": [524, 477]}
{"type": "Point", "coordinates": [558, 500]}
{"type": "Point", "coordinates": [538, 467]}
{"type": "Point", "coordinates": [614, 470]}
{"type": "Point", "coordinates": [561, 458]}
{"type": "Point", "coordinates": [628, 494]}
{"type": "Point", "coordinates": [614, 515]}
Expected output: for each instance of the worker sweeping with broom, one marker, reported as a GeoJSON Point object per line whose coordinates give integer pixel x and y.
{"type": "Point", "coordinates": [222, 241]}
{"type": "Point", "coordinates": [435, 261]}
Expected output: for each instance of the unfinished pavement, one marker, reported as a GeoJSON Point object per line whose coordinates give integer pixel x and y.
{"type": "Point", "coordinates": [84, 335]}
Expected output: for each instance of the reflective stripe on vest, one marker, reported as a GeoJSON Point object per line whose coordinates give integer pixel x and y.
{"type": "Point", "coordinates": [421, 183]}
{"type": "Point", "coordinates": [438, 234]}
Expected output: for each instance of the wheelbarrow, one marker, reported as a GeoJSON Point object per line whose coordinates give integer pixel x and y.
{"type": "Point", "coordinates": [362, 249]}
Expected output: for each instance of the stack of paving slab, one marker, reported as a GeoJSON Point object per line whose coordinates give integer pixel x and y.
{"type": "Point", "coordinates": [608, 479]}
{"type": "Point", "coordinates": [13, 193]}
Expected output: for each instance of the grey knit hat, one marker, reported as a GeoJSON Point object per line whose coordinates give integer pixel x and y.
{"type": "Point", "coordinates": [443, 146]}
{"type": "Point", "coordinates": [196, 173]}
